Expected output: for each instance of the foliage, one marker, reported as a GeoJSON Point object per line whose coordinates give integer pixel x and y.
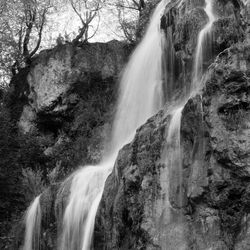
{"type": "Point", "coordinates": [21, 28]}
{"type": "Point", "coordinates": [129, 13]}
{"type": "Point", "coordinates": [9, 173]}
{"type": "Point", "coordinates": [27, 26]}
{"type": "Point", "coordinates": [21, 162]}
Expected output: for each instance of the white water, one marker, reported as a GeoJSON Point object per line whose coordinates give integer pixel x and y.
{"type": "Point", "coordinates": [140, 97]}
{"type": "Point", "coordinates": [174, 192]}
{"type": "Point", "coordinates": [171, 226]}
{"type": "Point", "coordinates": [33, 224]}
{"type": "Point", "coordinates": [141, 92]}
{"type": "Point", "coordinates": [174, 155]}
{"type": "Point", "coordinates": [202, 38]}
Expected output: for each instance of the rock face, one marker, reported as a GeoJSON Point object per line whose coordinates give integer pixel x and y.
{"type": "Point", "coordinates": [63, 103]}
{"type": "Point", "coordinates": [68, 99]}
{"type": "Point", "coordinates": [215, 141]}
{"type": "Point", "coordinates": [182, 24]}
{"type": "Point", "coordinates": [216, 152]}
{"type": "Point", "coordinates": [54, 75]}
{"type": "Point", "coordinates": [140, 208]}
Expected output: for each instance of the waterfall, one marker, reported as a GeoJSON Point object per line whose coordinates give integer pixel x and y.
{"type": "Point", "coordinates": [174, 192]}
{"type": "Point", "coordinates": [32, 226]}
{"type": "Point", "coordinates": [200, 49]}
{"type": "Point", "coordinates": [170, 227]}
{"type": "Point", "coordinates": [141, 93]}
{"type": "Point", "coordinates": [174, 152]}
{"type": "Point", "coordinates": [139, 98]}
{"type": "Point", "coordinates": [174, 127]}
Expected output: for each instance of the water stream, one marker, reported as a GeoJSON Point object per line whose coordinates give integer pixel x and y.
{"type": "Point", "coordinates": [32, 226]}
{"type": "Point", "coordinates": [140, 97]}
{"type": "Point", "coordinates": [203, 40]}
{"type": "Point", "coordinates": [174, 193]}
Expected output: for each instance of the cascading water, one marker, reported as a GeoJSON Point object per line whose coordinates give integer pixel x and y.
{"type": "Point", "coordinates": [171, 228]}
{"type": "Point", "coordinates": [200, 49]}
{"type": "Point", "coordinates": [141, 92]}
{"type": "Point", "coordinates": [33, 224]}
{"type": "Point", "coordinates": [140, 97]}
{"type": "Point", "coordinates": [173, 158]}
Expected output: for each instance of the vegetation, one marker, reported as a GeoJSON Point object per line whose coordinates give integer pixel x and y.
{"type": "Point", "coordinates": [21, 174]}
{"type": "Point", "coordinates": [27, 26]}
{"type": "Point", "coordinates": [22, 23]}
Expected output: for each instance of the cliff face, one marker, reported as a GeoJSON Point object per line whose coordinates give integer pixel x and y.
{"type": "Point", "coordinates": [63, 105]}
{"type": "Point", "coordinates": [55, 78]}
{"type": "Point", "coordinates": [141, 206]}
{"type": "Point", "coordinates": [69, 96]}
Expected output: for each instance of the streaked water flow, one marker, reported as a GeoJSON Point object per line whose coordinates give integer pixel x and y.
{"type": "Point", "coordinates": [140, 97]}
{"type": "Point", "coordinates": [32, 226]}
{"type": "Point", "coordinates": [173, 159]}
{"type": "Point", "coordinates": [203, 39]}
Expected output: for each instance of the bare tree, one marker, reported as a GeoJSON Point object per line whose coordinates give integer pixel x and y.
{"type": "Point", "coordinates": [137, 5]}
{"type": "Point", "coordinates": [87, 11]}
{"type": "Point", "coordinates": [129, 12]}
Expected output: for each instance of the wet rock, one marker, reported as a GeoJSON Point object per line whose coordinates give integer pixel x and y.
{"type": "Point", "coordinates": [136, 212]}
{"type": "Point", "coordinates": [181, 23]}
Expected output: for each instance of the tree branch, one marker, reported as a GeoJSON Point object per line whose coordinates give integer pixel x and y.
{"type": "Point", "coordinates": [39, 33]}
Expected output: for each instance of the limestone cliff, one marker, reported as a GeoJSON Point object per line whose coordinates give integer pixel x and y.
{"type": "Point", "coordinates": [63, 105]}
{"type": "Point", "coordinates": [68, 96]}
